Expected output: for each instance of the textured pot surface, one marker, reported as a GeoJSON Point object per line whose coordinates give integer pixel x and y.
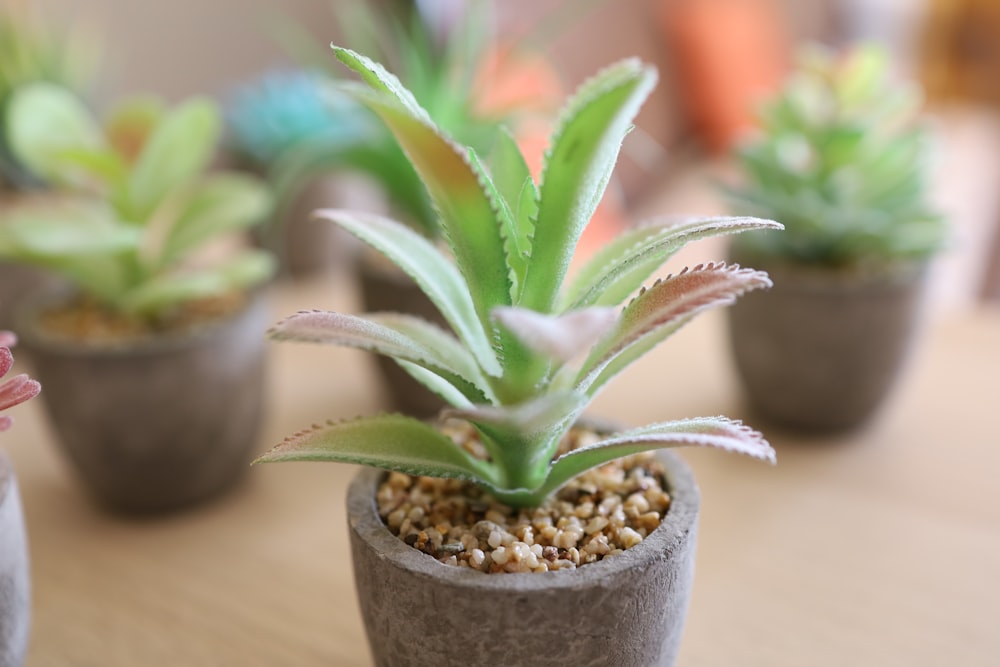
{"type": "Point", "coordinates": [15, 588]}
{"type": "Point", "coordinates": [820, 351]}
{"type": "Point", "coordinates": [162, 424]}
{"type": "Point", "coordinates": [625, 611]}
{"type": "Point", "coordinates": [384, 288]}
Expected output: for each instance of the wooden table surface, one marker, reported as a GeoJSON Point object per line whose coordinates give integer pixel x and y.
{"type": "Point", "coordinates": [880, 547]}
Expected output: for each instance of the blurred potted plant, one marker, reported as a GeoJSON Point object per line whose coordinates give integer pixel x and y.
{"type": "Point", "coordinates": [841, 160]}
{"type": "Point", "coordinates": [527, 355]}
{"type": "Point", "coordinates": [32, 51]}
{"type": "Point", "coordinates": [15, 576]}
{"type": "Point", "coordinates": [152, 356]}
{"type": "Point", "coordinates": [471, 84]}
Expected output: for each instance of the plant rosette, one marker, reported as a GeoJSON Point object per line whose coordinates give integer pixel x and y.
{"type": "Point", "coordinates": [526, 352]}
{"type": "Point", "coordinates": [152, 354]}
{"type": "Point", "coordinates": [15, 577]}
{"type": "Point", "coordinates": [842, 161]}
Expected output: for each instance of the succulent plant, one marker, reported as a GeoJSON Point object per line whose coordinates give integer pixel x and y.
{"type": "Point", "coordinates": [32, 51]}
{"type": "Point", "coordinates": [530, 349]}
{"type": "Point", "coordinates": [135, 203]}
{"type": "Point", "coordinates": [15, 390]}
{"type": "Point", "coordinates": [841, 161]}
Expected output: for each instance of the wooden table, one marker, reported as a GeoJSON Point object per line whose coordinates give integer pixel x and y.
{"type": "Point", "coordinates": [880, 547]}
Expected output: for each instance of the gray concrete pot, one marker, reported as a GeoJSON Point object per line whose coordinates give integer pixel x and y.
{"type": "Point", "coordinates": [625, 611]}
{"type": "Point", "coordinates": [385, 288]}
{"type": "Point", "coordinates": [820, 351]}
{"type": "Point", "coordinates": [15, 580]}
{"type": "Point", "coordinates": [161, 424]}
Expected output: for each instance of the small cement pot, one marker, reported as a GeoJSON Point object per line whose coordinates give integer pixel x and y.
{"type": "Point", "coordinates": [161, 424]}
{"type": "Point", "coordinates": [385, 288]}
{"type": "Point", "coordinates": [821, 350]}
{"type": "Point", "coordinates": [15, 581]}
{"type": "Point", "coordinates": [626, 610]}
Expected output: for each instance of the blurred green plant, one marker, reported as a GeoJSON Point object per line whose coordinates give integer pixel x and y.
{"type": "Point", "coordinates": [31, 51]}
{"type": "Point", "coordinates": [841, 160]}
{"type": "Point", "coordinates": [443, 72]}
{"type": "Point", "coordinates": [134, 201]}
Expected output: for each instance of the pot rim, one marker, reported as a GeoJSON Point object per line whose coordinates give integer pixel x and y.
{"type": "Point", "coordinates": [32, 339]}
{"type": "Point", "coordinates": [679, 521]}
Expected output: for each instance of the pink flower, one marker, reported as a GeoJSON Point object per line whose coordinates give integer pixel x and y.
{"type": "Point", "coordinates": [17, 389]}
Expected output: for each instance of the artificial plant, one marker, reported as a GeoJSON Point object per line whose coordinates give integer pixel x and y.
{"type": "Point", "coordinates": [530, 348]}
{"type": "Point", "coordinates": [137, 201]}
{"type": "Point", "coordinates": [841, 159]}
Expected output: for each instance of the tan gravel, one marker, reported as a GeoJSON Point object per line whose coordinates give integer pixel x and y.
{"type": "Point", "coordinates": [595, 516]}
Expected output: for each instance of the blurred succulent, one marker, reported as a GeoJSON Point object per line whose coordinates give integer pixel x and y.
{"type": "Point", "coordinates": [528, 352]}
{"type": "Point", "coordinates": [841, 160]}
{"type": "Point", "coordinates": [31, 51]}
{"type": "Point", "coordinates": [135, 203]}
{"type": "Point", "coordinates": [15, 390]}
{"type": "Point", "coordinates": [283, 109]}
{"type": "Point", "coordinates": [444, 71]}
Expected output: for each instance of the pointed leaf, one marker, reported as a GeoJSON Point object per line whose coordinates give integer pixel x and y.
{"type": "Point", "coordinates": [717, 432]}
{"type": "Point", "coordinates": [558, 337]}
{"type": "Point", "coordinates": [392, 442]}
{"type": "Point", "coordinates": [469, 217]}
{"type": "Point", "coordinates": [378, 78]}
{"type": "Point", "coordinates": [517, 189]}
{"type": "Point", "coordinates": [659, 311]}
{"type": "Point", "coordinates": [401, 337]}
{"type": "Point", "coordinates": [430, 269]}
{"type": "Point", "coordinates": [620, 268]}
{"type": "Point", "coordinates": [577, 169]}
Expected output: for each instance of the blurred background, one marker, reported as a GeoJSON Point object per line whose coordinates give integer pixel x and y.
{"type": "Point", "coordinates": [716, 58]}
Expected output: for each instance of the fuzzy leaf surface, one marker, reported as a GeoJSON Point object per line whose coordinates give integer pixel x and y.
{"type": "Point", "coordinates": [619, 268]}
{"type": "Point", "coordinates": [391, 442]}
{"type": "Point", "coordinates": [430, 270]}
{"type": "Point", "coordinates": [659, 311]}
{"type": "Point", "coordinates": [402, 337]}
{"type": "Point", "coordinates": [560, 338]}
{"type": "Point", "coordinates": [577, 169]}
{"type": "Point", "coordinates": [717, 432]}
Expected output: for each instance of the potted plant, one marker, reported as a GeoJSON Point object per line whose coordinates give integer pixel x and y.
{"type": "Point", "coordinates": [15, 578]}
{"type": "Point", "coordinates": [841, 160]}
{"type": "Point", "coordinates": [31, 51]}
{"type": "Point", "coordinates": [528, 353]}
{"type": "Point", "coordinates": [152, 355]}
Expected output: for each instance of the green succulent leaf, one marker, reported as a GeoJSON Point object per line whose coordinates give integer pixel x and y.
{"type": "Point", "coordinates": [717, 432]}
{"type": "Point", "coordinates": [391, 442]}
{"type": "Point", "coordinates": [469, 216]}
{"type": "Point", "coordinates": [659, 311]}
{"type": "Point", "coordinates": [577, 169]}
{"type": "Point", "coordinates": [402, 337]}
{"type": "Point", "coordinates": [164, 290]}
{"type": "Point", "coordinates": [430, 269]}
{"type": "Point", "coordinates": [179, 149]}
{"type": "Point", "coordinates": [620, 267]}
{"type": "Point", "coordinates": [220, 203]}
{"type": "Point", "coordinates": [517, 189]}
{"type": "Point", "coordinates": [45, 122]}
